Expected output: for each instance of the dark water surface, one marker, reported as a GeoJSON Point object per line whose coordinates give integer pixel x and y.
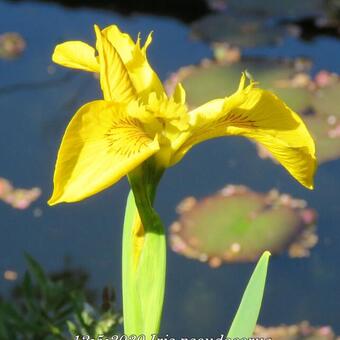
{"type": "Point", "coordinates": [199, 301]}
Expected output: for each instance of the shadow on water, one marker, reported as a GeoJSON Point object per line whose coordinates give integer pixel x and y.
{"type": "Point", "coordinates": [186, 11]}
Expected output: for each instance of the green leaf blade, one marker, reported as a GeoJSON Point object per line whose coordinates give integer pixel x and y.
{"type": "Point", "coordinates": [247, 314]}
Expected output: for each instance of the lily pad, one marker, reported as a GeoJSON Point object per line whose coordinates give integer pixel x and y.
{"type": "Point", "coordinates": [325, 124]}
{"type": "Point", "coordinates": [302, 331]}
{"type": "Point", "coordinates": [326, 134]}
{"type": "Point", "coordinates": [237, 225]}
{"type": "Point", "coordinates": [288, 79]}
{"type": "Point", "coordinates": [325, 100]}
{"type": "Point", "coordinates": [238, 31]}
{"type": "Point", "coordinates": [315, 99]}
{"type": "Point", "coordinates": [323, 118]}
{"type": "Point", "coordinates": [270, 8]}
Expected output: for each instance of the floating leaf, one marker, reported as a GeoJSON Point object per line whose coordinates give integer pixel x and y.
{"type": "Point", "coordinates": [302, 331]}
{"type": "Point", "coordinates": [239, 31]}
{"type": "Point", "coordinates": [270, 8]}
{"type": "Point", "coordinates": [286, 78]}
{"type": "Point", "coordinates": [325, 100]}
{"type": "Point", "coordinates": [326, 134]}
{"type": "Point", "coordinates": [316, 100]}
{"type": "Point", "coordinates": [222, 227]}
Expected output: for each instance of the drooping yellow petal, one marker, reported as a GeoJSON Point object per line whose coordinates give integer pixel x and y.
{"type": "Point", "coordinates": [281, 131]}
{"type": "Point", "coordinates": [100, 146]}
{"type": "Point", "coordinates": [114, 78]}
{"type": "Point", "coordinates": [259, 115]}
{"type": "Point", "coordinates": [76, 54]}
{"type": "Point", "coordinates": [143, 77]}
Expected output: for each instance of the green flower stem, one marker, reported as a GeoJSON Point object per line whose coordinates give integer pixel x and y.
{"type": "Point", "coordinates": [144, 285]}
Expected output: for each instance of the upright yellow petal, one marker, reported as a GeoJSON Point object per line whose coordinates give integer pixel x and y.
{"type": "Point", "coordinates": [100, 146]}
{"type": "Point", "coordinates": [114, 79]}
{"type": "Point", "coordinates": [143, 77]}
{"type": "Point", "coordinates": [76, 54]}
{"type": "Point", "coordinates": [179, 94]}
{"type": "Point", "coordinates": [259, 115]}
{"type": "Point", "coordinates": [121, 41]}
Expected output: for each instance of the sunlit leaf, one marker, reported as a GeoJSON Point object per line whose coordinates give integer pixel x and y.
{"type": "Point", "coordinates": [246, 316]}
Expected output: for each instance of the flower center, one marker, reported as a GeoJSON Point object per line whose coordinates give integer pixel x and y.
{"type": "Point", "coordinates": [162, 116]}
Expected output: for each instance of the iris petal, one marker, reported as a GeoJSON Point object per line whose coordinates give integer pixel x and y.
{"type": "Point", "coordinates": [76, 54]}
{"type": "Point", "coordinates": [99, 147]}
{"type": "Point", "coordinates": [144, 78]}
{"type": "Point", "coordinates": [260, 115]}
{"type": "Point", "coordinates": [114, 78]}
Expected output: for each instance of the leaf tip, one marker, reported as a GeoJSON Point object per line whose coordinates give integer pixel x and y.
{"type": "Point", "coordinates": [267, 253]}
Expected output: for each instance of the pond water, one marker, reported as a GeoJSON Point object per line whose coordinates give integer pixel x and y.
{"type": "Point", "coordinates": [37, 99]}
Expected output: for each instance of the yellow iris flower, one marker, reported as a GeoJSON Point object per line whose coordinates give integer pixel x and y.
{"type": "Point", "coordinates": [107, 139]}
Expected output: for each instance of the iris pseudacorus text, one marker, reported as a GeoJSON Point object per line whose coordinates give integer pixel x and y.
{"type": "Point", "coordinates": [136, 120]}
